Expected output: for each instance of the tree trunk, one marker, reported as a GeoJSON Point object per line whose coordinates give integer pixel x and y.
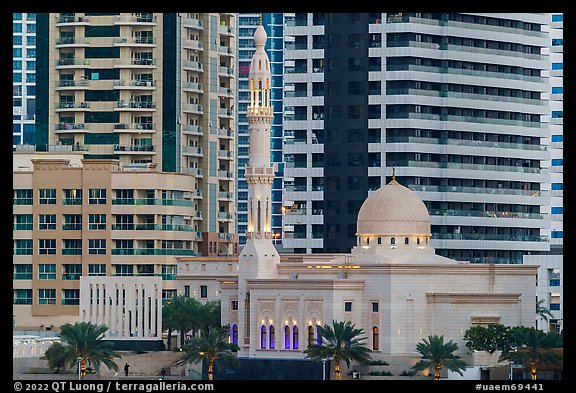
{"type": "Point", "coordinates": [533, 370]}
{"type": "Point", "coordinates": [210, 369]}
{"type": "Point", "coordinates": [337, 368]}
{"type": "Point", "coordinates": [437, 372]}
{"type": "Point", "coordinates": [169, 339]}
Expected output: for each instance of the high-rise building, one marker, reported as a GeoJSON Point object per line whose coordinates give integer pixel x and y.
{"type": "Point", "coordinates": [247, 24]}
{"type": "Point", "coordinates": [550, 273]}
{"type": "Point", "coordinates": [146, 88]}
{"type": "Point", "coordinates": [23, 78]}
{"type": "Point", "coordinates": [456, 102]}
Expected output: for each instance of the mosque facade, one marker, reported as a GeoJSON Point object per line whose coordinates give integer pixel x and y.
{"type": "Point", "coordinates": [392, 284]}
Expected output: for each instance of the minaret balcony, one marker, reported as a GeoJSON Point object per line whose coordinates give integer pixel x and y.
{"type": "Point", "coordinates": [259, 111]}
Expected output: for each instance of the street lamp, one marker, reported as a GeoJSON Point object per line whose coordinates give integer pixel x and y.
{"type": "Point", "coordinates": [324, 368]}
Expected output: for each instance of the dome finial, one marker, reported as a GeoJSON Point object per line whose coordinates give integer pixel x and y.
{"type": "Point", "coordinates": [260, 18]}
{"type": "Point", "coordinates": [393, 172]}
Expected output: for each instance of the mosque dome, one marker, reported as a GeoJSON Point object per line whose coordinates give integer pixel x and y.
{"type": "Point", "coordinates": [393, 210]}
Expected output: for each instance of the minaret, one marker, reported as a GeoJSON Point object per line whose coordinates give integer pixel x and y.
{"type": "Point", "coordinates": [258, 258]}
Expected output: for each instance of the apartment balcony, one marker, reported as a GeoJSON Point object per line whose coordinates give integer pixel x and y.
{"type": "Point", "coordinates": [138, 42]}
{"type": "Point", "coordinates": [152, 202]}
{"type": "Point", "coordinates": [74, 128]}
{"type": "Point", "coordinates": [225, 175]}
{"type": "Point", "coordinates": [192, 87]}
{"type": "Point", "coordinates": [72, 42]}
{"type": "Point", "coordinates": [72, 106]}
{"type": "Point", "coordinates": [193, 65]}
{"type": "Point", "coordinates": [465, 142]}
{"type": "Point", "coordinates": [134, 149]}
{"type": "Point", "coordinates": [225, 196]}
{"type": "Point", "coordinates": [146, 20]}
{"type": "Point", "coordinates": [479, 190]}
{"type": "Point", "coordinates": [193, 108]}
{"type": "Point", "coordinates": [226, 71]}
{"type": "Point", "coordinates": [493, 237]}
{"type": "Point", "coordinates": [485, 213]}
{"type": "Point", "coordinates": [225, 236]}
{"type": "Point", "coordinates": [194, 172]}
{"type": "Point", "coordinates": [192, 23]}
{"type": "Point", "coordinates": [226, 30]}
{"type": "Point", "coordinates": [135, 106]}
{"type": "Point", "coordinates": [223, 112]}
{"type": "Point", "coordinates": [197, 216]}
{"type": "Point", "coordinates": [225, 133]}
{"type": "Point", "coordinates": [72, 63]}
{"type": "Point", "coordinates": [152, 227]}
{"type": "Point", "coordinates": [193, 151]}
{"type": "Point", "coordinates": [198, 194]}
{"type": "Point", "coordinates": [72, 85]}
{"type": "Point", "coordinates": [77, 147]}
{"type": "Point", "coordinates": [139, 128]}
{"type": "Point", "coordinates": [225, 50]}
{"type": "Point", "coordinates": [226, 154]}
{"type": "Point", "coordinates": [71, 20]}
{"type": "Point", "coordinates": [136, 63]}
{"type": "Point", "coordinates": [190, 129]}
{"type": "Point", "coordinates": [134, 85]}
{"type": "Point", "coordinates": [225, 216]}
{"type": "Point", "coordinates": [226, 91]}
{"type": "Point", "coordinates": [153, 251]}
{"type": "Point", "coordinates": [192, 44]}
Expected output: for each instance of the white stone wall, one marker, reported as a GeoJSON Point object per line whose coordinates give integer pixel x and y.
{"type": "Point", "coordinates": [131, 306]}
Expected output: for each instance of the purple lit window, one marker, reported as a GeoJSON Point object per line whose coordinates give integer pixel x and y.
{"type": "Point", "coordinates": [295, 337]}
{"type": "Point", "coordinates": [263, 337]}
{"type": "Point", "coordinates": [235, 334]}
{"type": "Point", "coordinates": [287, 337]}
{"type": "Point", "coordinates": [271, 332]}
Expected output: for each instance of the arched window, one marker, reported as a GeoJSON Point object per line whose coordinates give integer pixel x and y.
{"type": "Point", "coordinates": [417, 240]}
{"type": "Point", "coordinates": [272, 338]}
{"type": "Point", "coordinates": [234, 334]}
{"type": "Point", "coordinates": [392, 240]}
{"type": "Point", "coordinates": [295, 337]}
{"type": "Point", "coordinates": [318, 337]}
{"type": "Point", "coordinates": [286, 337]}
{"type": "Point", "coordinates": [426, 240]}
{"type": "Point", "coordinates": [367, 240]}
{"type": "Point", "coordinates": [379, 240]}
{"type": "Point", "coordinates": [375, 338]}
{"type": "Point", "coordinates": [310, 335]}
{"type": "Point", "coordinates": [259, 64]}
{"type": "Point", "coordinates": [263, 337]}
{"type": "Point", "coordinates": [406, 240]}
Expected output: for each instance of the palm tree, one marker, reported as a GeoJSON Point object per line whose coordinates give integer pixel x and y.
{"type": "Point", "coordinates": [543, 311]}
{"type": "Point", "coordinates": [210, 345]}
{"type": "Point", "coordinates": [169, 313]}
{"type": "Point", "coordinates": [437, 354]}
{"type": "Point", "coordinates": [341, 341]}
{"type": "Point", "coordinates": [83, 340]}
{"type": "Point", "coordinates": [535, 349]}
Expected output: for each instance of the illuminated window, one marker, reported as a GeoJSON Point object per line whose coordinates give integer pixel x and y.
{"type": "Point", "coordinates": [295, 337]}
{"type": "Point", "coordinates": [263, 337]}
{"type": "Point", "coordinates": [286, 337]}
{"type": "Point", "coordinates": [375, 338]}
{"type": "Point", "coordinates": [272, 337]}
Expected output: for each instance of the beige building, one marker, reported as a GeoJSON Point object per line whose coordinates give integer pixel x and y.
{"type": "Point", "coordinates": [77, 217]}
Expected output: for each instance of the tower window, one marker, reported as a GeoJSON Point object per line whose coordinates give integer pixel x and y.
{"type": "Point", "coordinates": [406, 240]}
{"type": "Point", "coordinates": [393, 240]}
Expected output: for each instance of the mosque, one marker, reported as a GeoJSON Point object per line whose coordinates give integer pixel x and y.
{"type": "Point", "coordinates": [391, 284]}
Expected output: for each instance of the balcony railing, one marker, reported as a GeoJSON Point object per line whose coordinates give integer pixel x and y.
{"type": "Point", "coordinates": [153, 251]}
{"type": "Point", "coordinates": [193, 65]}
{"type": "Point", "coordinates": [135, 104]}
{"type": "Point", "coordinates": [192, 150]}
{"type": "Point", "coordinates": [72, 41]}
{"type": "Point", "coordinates": [73, 83]}
{"type": "Point", "coordinates": [70, 126]}
{"type": "Point", "coordinates": [485, 213]}
{"type": "Point", "coordinates": [192, 129]}
{"type": "Point", "coordinates": [132, 148]}
{"type": "Point", "coordinates": [72, 62]}
{"type": "Point", "coordinates": [152, 201]}
{"type": "Point", "coordinates": [476, 236]}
